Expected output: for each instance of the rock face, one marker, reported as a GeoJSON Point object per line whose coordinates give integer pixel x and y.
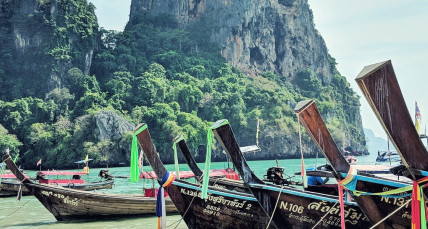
{"type": "Point", "coordinates": [110, 126]}
{"type": "Point", "coordinates": [259, 36]}
{"type": "Point", "coordinates": [255, 36]}
{"type": "Point", "coordinates": [109, 131]}
{"type": "Point", "coordinates": [45, 47]}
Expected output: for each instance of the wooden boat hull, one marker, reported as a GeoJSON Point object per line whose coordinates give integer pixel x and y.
{"type": "Point", "coordinates": [326, 189]}
{"type": "Point", "coordinates": [69, 204]}
{"type": "Point", "coordinates": [222, 208]}
{"type": "Point", "coordinates": [107, 184]}
{"type": "Point", "coordinates": [291, 208]}
{"type": "Point", "coordinates": [297, 209]}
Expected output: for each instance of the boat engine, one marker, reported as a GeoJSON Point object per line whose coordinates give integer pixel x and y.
{"type": "Point", "coordinates": [275, 175]}
{"type": "Point", "coordinates": [104, 174]}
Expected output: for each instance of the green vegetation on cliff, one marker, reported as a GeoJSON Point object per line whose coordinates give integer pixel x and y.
{"type": "Point", "coordinates": [154, 72]}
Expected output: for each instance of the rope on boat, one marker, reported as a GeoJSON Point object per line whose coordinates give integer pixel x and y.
{"type": "Point", "coordinates": [302, 163]}
{"type": "Point", "coordinates": [392, 213]}
{"type": "Point", "coordinates": [322, 218]}
{"type": "Point", "coordinates": [273, 213]}
{"type": "Point", "coordinates": [17, 209]}
{"type": "Point", "coordinates": [188, 207]}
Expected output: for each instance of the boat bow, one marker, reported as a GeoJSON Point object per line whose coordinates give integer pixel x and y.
{"type": "Point", "coordinates": [379, 85]}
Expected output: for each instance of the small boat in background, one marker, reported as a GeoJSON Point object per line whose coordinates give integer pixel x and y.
{"type": "Point", "coordinates": [350, 158]}
{"type": "Point", "coordinates": [216, 174]}
{"type": "Point", "coordinates": [10, 186]}
{"type": "Point", "coordinates": [73, 179]}
{"type": "Point", "coordinates": [69, 179]}
{"type": "Point", "coordinates": [385, 156]}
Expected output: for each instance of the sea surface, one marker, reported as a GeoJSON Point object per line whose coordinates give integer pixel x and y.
{"type": "Point", "coordinates": [30, 213]}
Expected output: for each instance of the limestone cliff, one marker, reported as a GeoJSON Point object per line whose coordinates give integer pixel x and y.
{"type": "Point", "coordinates": [48, 40]}
{"type": "Point", "coordinates": [279, 36]}
{"type": "Point", "coordinates": [255, 36]}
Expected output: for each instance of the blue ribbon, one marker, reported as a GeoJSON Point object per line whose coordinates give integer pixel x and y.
{"type": "Point", "coordinates": [159, 203]}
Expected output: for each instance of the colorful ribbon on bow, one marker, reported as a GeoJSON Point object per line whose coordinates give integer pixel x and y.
{"type": "Point", "coordinates": [419, 208]}
{"type": "Point", "coordinates": [166, 181]}
{"type": "Point", "coordinates": [350, 182]}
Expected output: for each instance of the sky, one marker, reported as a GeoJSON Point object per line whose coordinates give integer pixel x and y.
{"type": "Point", "coordinates": [357, 33]}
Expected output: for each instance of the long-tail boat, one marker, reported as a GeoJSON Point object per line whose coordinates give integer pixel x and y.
{"type": "Point", "coordinates": [379, 85]}
{"type": "Point", "coordinates": [71, 204]}
{"type": "Point", "coordinates": [221, 209]}
{"type": "Point", "coordinates": [290, 207]}
{"type": "Point", "coordinates": [375, 207]}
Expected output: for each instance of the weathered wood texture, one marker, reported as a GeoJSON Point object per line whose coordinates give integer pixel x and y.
{"type": "Point", "coordinates": [379, 85]}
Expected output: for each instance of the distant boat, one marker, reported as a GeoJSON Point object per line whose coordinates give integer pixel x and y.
{"type": "Point", "coordinates": [385, 156]}
{"type": "Point", "coordinates": [69, 179]}
{"type": "Point", "coordinates": [10, 185]}
{"type": "Point", "coordinates": [351, 159]}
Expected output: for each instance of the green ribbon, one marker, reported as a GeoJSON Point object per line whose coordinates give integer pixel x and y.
{"type": "Point", "coordinates": [134, 155]}
{"type": "Point", "coordinates": [16, 158]}
{"type": "Point", "coordinates": [386, 193]}
{"type": "Point", "coordinates": [174, 146]}
{"type": "Point", "coordinates": [423, 216]}
{"type": "Point", "coordinates": [206, 175]}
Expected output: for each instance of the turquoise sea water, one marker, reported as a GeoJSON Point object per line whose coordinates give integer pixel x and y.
{"type": "Point", "coordinates": [30, 213]}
